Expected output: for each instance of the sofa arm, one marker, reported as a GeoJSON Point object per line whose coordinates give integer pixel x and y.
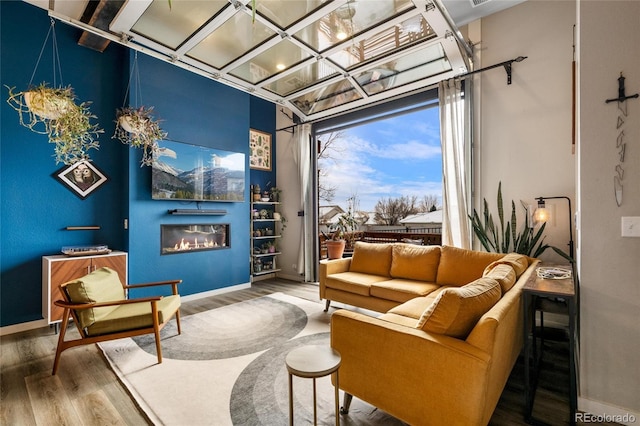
{"type": "Point", "coordinates": [333, 266]}
{"type": "Point", "coordinates": [419, 377]}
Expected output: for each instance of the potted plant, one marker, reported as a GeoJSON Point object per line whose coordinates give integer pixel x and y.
{"type": "Point", "coordinates": [54, 112]}
{"type": "Point", "coordinates": [138, 128]}
{"type": "Point", "coordinates": [275, 194]}
{"type": "Point", "coordinates": [507, 238]}
{"type": "Point", "coordinates": [341, 232]}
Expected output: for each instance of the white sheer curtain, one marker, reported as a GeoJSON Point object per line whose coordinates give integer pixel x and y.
{"type": "Point", "coordinates": [302, 157]}
{"type": "Point", "coordinates": [455, 222]}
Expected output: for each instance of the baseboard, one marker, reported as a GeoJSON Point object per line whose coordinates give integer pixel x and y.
{"type": "Point", "coordinates": [290, 277]}
{"type": "Point", "coordinates": [23, 326]}
{"type": "Point", "coordinates": [599, 412]}
{"type": "Point", "coordinates": [215, 292]}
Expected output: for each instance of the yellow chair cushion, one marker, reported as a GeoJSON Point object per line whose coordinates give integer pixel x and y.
{"type": "Point", "coordinates": [460, 266]}
{"type": "Point", "coordinates": [101, 285]}
{"type": "Point", "coordinates": [518, 262]}
{"type": "Point", "coordinates": [503, 273]}
{"type": "Point", "coordinates": [134, 315]}
{"type": "Point", "coordinates": [415, 262]}
{"type": "Point", "coordinates": [371, 258]}
{"type": "Point", "coordinates": [456, 310]}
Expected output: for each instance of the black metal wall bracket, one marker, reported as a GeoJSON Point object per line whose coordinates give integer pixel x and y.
{"type": "Point", "coordinates": [621, 95]}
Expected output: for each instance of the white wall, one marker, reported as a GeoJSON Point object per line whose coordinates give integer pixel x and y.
{"type": "Point", "coordinates": [523, 130]}
{"type": "Point", "coordinates": [523, 136]}
{"type": "Point", "coordinates": [609, 40]}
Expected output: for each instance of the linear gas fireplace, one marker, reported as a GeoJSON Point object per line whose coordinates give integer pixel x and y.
{"type": "Point", "coordinates": [193, 237]}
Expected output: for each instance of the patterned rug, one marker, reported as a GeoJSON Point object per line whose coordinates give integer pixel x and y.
{"type": "Point", "coordinates": [228, 368]}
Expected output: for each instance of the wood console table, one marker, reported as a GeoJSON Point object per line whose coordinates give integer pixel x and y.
{"type": "Point", "coordinates": [534, 289]}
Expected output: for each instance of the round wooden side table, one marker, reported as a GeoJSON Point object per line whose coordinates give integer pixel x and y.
{"type": "Point", "coordinates": [311, 362]}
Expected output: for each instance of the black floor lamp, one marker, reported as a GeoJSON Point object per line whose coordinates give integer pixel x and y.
{"type": "Point", "coordinates": [542, 215]}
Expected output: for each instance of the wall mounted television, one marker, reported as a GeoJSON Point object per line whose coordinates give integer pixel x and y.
{"type": "Point", "coordinates": [188, 172]}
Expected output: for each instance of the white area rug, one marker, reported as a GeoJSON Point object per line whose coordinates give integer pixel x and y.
{"type": "Point", "coordinates": [227, 367]}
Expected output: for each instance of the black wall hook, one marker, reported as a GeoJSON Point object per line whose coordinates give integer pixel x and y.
{"type": "Point", "coordinates": [621, 95]}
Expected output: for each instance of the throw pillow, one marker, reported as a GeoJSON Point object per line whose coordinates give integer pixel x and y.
{"type": "Point", "coordinates": [371, 258]}
{"type": "Point", "coordinates": [460, 266]}
{"type": "Point", "coordinates": [457, 309]}
{"type": "Point", "coordinates": [101, 285]}
{"type": "Point", "coordinates": [518, 262]}
{"type": "Point", "coordinates": [504, 274]}
{"type": "Point", "coordinates": [415, 262]}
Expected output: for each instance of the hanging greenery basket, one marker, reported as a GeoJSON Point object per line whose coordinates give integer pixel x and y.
{"type": "Point", "coordinates": [54, 112]}
{"type": "Point", "coordinates": [138, 128]}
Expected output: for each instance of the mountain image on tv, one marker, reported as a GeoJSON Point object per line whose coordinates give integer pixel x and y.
{"type": "Point", "coordinates": [190, 172]}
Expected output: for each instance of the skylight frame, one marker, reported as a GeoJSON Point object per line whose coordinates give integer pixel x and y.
{"type": "Point", "coordinates": [431, 11]}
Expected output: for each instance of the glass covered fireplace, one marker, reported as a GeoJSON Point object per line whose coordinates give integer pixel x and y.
{"type": "Point", "coordinates": [193, 237]}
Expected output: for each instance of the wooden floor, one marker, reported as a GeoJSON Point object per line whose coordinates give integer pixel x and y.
{"type": "Point", "coordinates": [86, 392]}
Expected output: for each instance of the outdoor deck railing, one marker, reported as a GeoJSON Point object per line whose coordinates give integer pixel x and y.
{"type": "Point", "coordinates": [391, 236]}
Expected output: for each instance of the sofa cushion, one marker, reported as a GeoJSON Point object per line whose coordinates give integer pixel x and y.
{"type": "Point", "coordinates": [518, 262]}
{"type": "Point", "coordinates": [457, 310]}
{"type": "Point", "coordinates": [415, 262]}
{"type": "Point", "coordinates": [353, 282]}
{"type": "Point", "coordinates": [101, 285]}
{"type": "Point", "coordinates": [371, 258]}
{"type": "Point", "coordinates": [415, 307]}
{"type": "Point", "coordinates": [400, 290]}
{"type": "Point", "coordinates": [460, 266]}
{"type": "Point", "coordinates": [503, 273]}
{"type": "Point", "coordinates": [135, 315]}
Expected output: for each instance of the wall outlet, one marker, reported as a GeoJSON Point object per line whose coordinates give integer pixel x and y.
{"type": "Point", "coordinates": [294, 266]}
{"type": "Point", "coordinates": [631, 226]}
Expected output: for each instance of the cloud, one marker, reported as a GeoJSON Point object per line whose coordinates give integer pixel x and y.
{"type": "Point", "coordinates": [166, 152]}
{"type": "Point", "coordinates": [233, 161]}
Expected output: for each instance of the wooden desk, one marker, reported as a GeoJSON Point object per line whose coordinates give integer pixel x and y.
{"type": "Point", "coordinates": [534, 288]}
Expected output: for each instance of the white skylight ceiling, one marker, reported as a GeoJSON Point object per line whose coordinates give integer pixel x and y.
{"type": "Point", "coordinates": [315, 57]}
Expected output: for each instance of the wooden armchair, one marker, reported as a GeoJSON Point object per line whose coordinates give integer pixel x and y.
{"type": "Point", "coordinates": [100, 308]}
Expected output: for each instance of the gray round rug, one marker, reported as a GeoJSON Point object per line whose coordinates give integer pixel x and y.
{"type": "Point", "coordinates": [263, 323]}
{"type": "Point", "coordinates": [260, 396]}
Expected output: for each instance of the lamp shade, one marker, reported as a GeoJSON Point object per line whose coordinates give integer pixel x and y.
{"type": "Point", "coordinates": [542, 214]}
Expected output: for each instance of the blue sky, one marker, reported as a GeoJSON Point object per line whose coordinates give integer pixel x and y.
{"type": "Point", "coordinates": [388, 158]}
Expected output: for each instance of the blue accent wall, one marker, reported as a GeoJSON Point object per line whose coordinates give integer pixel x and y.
{"type": "Point", "coordinates": [35, 208]}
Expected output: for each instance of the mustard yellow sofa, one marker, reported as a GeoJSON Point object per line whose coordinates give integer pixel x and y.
{"type": "Point", "coordinates": [379, 277]}
{"type": "Point", "coordinates": [438, 358]}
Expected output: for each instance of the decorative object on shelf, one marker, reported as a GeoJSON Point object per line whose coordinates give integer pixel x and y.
{"type": "Point", "coordinates": [136, 126]}
{"type": "Point", "coordinates": [260, 150]}
{"type": "Point", "coordinates": [81, 178]}
{"type": "Point", "coordinates": [53, 111]}
{"type": "Point", "coordinates": [256, 192]}
{"type": "Point", "coordinates": [264, 213]}
{"type": "Point", "coordinates": [274, 195]}
{"type": "Point", "coordinates": [92, 250]}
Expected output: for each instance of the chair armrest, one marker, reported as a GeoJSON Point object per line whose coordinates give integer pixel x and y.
{"type": "Point", "coordinates": [172, 283]}
{"type": "Point", "coordinates": [80, 306]}
{"type": "Point", "coordinates": [63, 304]}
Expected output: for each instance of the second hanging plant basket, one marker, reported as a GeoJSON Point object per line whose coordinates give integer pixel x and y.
{"type": "Point", "coordinates": [138, 128]}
